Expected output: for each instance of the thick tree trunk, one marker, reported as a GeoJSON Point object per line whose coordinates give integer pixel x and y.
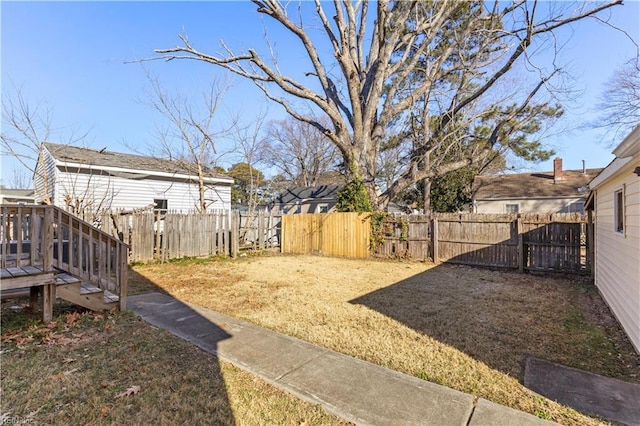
{"type": "Point", "coordinates": [427, 195]}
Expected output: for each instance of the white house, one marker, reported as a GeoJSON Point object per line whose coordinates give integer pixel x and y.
{"type": "Point", "coordinates": [81, 178]}
{"type": "Point", "coordinates": [16, 196]}
{"type": "Point", "coordinates": [557, 191]}
{"type": "Point", "coordinates": [615, 199]}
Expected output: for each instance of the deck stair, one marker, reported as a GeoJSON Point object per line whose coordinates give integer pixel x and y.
{"type": "Point", "coordinates": [87, 295]}
{"type": "Point", "coordinates": [48, 251]}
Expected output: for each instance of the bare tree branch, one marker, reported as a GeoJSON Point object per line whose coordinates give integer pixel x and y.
{"type": "Point", "coordinates": [190, 134]}
{"type": "Point", "coordinates": [441, 68]}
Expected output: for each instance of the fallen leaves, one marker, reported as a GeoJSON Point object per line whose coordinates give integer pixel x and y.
{"type": "Point", "coordinates": [130, 391]}
{"type": "Point", "coordinates": [57, 332]}
{"type": "Point", "coordinates": [64, 374]}
{"type": "Point", "coordinates": [73, 319]}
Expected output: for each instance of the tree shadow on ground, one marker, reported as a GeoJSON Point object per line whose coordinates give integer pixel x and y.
{"type": "Point", "coordinates": [500, 317]}
{"type": "Point", "coordinates": [180, 319]}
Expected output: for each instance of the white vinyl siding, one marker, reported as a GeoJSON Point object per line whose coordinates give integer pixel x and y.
{"type": "Point", "coordinates": [44, 178]}
{"type": "Point", "coordinates": [618, 253]}
{"type": "Point", "coordinates": [112, 192]}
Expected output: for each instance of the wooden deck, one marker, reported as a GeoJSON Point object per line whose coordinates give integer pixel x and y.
{"type": "Point", "coordinates": [47, 250]}
{"type": "Point", "coordinates": [25, 277]}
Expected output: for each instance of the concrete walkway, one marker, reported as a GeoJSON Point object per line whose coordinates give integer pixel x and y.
{"type": "Point", "coordinates": [612, 399]}
{"type": "Point", "coordinates": [355, 390]}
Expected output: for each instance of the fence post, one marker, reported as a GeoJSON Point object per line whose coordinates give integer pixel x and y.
{"type": "Point", "coordinates": [520, 250]}
{"type": "Point", "coordinates": [155, 252]}
{"type": "Point", "coordinates": [434, 230]}
{"type": "Point", "coordinates": [235, 233]}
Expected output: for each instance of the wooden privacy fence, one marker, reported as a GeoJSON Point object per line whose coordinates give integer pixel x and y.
{"type": "Point", "coordinates": [330, 234]}
{"type": "Point", "coordinates": [531, 242]}
{"type": "Point", "coordinates": [526, 242]}
{"type": "Point", "coordinates": [174, 235]}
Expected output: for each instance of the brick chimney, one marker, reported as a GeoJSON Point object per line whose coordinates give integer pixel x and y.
{"type": "Point", "coordinates": [557, 169]}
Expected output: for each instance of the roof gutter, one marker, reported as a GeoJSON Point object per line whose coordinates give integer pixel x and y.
{"type": "Point", "coordinates": [609, 171]}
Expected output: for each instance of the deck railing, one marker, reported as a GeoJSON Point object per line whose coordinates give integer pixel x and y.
{"type": "Point", "coordinates": [52, 239]}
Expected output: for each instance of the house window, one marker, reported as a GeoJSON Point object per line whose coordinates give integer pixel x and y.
{"type": "Point", "coordinates": [160, 206]}
{"type": "Point", "coordinates": [512, 208]}
{"type": "Point", "coordinates": [323, 208]}
{"type": "Point", "coordinates": [618, 210]}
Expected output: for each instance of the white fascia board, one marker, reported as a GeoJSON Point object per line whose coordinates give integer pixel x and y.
{"type": "Point", "coordinates": [630, 145]}
{"type": "Point", "coordinates": [609, 171]}
{"type": "Point", "coordinates": [176, 176]}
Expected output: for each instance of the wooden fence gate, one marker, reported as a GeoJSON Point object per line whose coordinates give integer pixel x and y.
{"type": "Point", "coordinates": [331, 234]}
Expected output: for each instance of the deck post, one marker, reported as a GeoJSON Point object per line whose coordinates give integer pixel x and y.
{"type": "Point", "coordinates": [48, 297]}
{"type": "Point", "coordinates": [34, 293]}
{"type": "Point", "coordinates": [47, 240]}
{"type": "Point", "coordinates": [48, 291]}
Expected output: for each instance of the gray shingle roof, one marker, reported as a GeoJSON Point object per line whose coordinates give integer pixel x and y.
{"type": "Point", "coordinates": [532, 185]}
{"type": "Point", "coordinates": [306, 193]}
{"type": "Point", "coordinates": [135, 163]}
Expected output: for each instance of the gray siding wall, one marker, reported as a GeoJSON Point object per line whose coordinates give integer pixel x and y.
{"type": "Point", "coordinates": [540, 205]}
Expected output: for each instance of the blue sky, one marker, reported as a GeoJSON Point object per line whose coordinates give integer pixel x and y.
{"type": "Point", "coordinates": [72, 56]}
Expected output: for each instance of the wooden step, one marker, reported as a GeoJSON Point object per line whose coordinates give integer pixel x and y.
{"type": "Point", "coordinates": [110, 298]}
{"type": "Point", "coordinates": [88, 295]}
{"type": "Point", "coordinates": [86, 288]}
{"type": "Point", "coordinates": [107, 296]}
{"type": "Point", "coordinates": [64, 278]}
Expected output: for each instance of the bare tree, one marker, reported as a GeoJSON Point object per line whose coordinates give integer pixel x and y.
{"type": "Point", "coordinates": [433, 65]}
{"type": "Point", "coordinates": [20, 179]}
{"type": "Point", "coordinates": [190, 133]}
{"type": "Point", "coordinates": [25, 129]}
{"type": "Point", "coordinates": [619, 106]}
{"type": "Point", "coordinates": [247, 142]}
{"type": "Point", "coordinates": [299, 151]}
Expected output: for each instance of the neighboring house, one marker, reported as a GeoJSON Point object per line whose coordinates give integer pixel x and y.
{"type": "Point", "coordinates": [16, 196]}
{"type": "Point", "coordinates": [615, 199]}
{"type": "Point", "coordinates": [309, 199]}
{"type": "Point", "coordinates": [560, 191]}
{"type": "Point", "coordinates": [81, 178]}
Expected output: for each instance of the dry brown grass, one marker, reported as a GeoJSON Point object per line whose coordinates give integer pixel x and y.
{"type": "Point", "coordinates": [70, 372]}
{"type": "Point", "coordinates": [465, 328]}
